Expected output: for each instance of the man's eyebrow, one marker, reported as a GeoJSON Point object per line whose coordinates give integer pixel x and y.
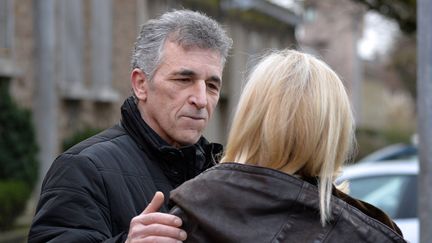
{"type": "Point", "coordinates": [215, 79]}
{"type": "Point", "coordinates": [185, 72]}
{"type": "Point", "coordinates": [190, 73]}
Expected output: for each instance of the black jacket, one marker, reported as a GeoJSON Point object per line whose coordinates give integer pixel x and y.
{"type": "Point", "coordinates": [94, 189]}
{"type": "Point", "coordinates": [241, 203]}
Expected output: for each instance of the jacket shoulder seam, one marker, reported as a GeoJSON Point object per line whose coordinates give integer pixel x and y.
{"type": "Point", "coordinates": [106, 139]}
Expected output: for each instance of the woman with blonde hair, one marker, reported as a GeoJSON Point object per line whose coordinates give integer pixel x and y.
{"type": "Point", "coordinates": [292, 132]}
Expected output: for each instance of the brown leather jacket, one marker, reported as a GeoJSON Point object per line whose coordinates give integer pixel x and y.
{"type": "Point", "coordinates": [241, 203]}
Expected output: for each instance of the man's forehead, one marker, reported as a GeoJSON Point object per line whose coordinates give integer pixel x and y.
{"type": "Point", "coordinates": [177, 47]}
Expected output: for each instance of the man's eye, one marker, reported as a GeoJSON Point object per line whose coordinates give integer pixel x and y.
{"type": "Point", "coordinates": [182, 79]}
{"type": "Point", "coordinates": [213, 86]}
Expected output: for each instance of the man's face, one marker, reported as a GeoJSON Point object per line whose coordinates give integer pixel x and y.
{"type": "Point", "coordinates": [183, 94]}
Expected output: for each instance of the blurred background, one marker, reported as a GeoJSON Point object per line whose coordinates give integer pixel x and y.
{"type": "Point", "coordinates": [65, 65]}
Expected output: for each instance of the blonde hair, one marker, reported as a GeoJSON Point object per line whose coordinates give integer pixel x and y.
{"type": "Point", "coordinates": [294, 115]}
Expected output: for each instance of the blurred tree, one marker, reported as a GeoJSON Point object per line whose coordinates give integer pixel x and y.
{"type": "Point", "coordinates": [402, 11]}
{"type": "Point", "coordinates": [402, 63]}
{"type": "Point", "coordinates": [79, 136]}
{"type": "Point", "coordinates": [18, 157]}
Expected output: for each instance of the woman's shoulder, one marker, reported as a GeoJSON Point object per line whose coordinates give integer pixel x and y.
{"type": "Point", "coordinates": [368, 209]}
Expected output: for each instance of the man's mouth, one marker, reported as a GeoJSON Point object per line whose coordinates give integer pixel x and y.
{"type": "Point", "coordinates": [195, 117]}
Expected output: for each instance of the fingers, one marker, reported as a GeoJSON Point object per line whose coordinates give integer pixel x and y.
{"type": "Point", "coordinates": [151, 216]}
{"type": "Point", "coordinates": [157, 218]}
{"type": "Point", "coordinates": [157, 231]}
{"type": "Point", "coordinates": [155, 204]}
{"type": "Point", "coordinates": [152, 239]}
{"type": "Point", "coordinates": [153, 226]}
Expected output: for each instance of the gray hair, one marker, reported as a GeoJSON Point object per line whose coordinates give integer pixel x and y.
{"type": "Point", "coordinates": [184, 27]}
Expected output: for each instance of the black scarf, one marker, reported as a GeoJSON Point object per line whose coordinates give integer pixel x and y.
{"type": "Point", "coordinates": [178, 164]}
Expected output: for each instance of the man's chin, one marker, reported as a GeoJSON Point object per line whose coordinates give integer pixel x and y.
{"type": "Point", "coordinates": [188, 139]}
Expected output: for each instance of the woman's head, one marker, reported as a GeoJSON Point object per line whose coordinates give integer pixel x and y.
{"type": "Point", "coordinates": [294, 115]}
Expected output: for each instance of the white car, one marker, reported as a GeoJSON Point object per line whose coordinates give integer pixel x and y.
{"type": "Point", "coordinates": [397, 151]}
{"type": "Point", "coordinates": [390, 186]}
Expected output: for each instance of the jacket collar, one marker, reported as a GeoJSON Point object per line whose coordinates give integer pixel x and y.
{"type": "Point", "coordinates": [178, 164]}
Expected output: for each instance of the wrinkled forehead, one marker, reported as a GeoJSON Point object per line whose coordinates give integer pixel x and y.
{"type": "Point", "coordinates": [189, 44]}
{"type": "Point", "coordinates": [174, 51]}
{"type": "Point", "coordinates": [202, 62]}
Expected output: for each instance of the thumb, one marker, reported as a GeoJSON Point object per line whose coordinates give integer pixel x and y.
{"type": "Point", "coordinates": [155, 204]}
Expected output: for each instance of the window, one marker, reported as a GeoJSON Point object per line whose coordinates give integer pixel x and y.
{"type": "Point", "coordinates": [101, 43]}
{"type": "Point", "coordinates": [394, 194]}
{"type": "Point", "coordinates": [71, 54]}
{"type": "Point", "coordinates": [7, 69]}
{"type": "Point", "coordinates": [6, 26]}
{"type": "Point", "coordinates": [74, 38]}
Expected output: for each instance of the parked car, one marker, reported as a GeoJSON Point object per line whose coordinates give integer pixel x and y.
{"type": "Point", "coordinates": [392, 152]}
{"type": "Point", "coordinates": [390, 186]}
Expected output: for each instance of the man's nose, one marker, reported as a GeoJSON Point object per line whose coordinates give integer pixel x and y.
{"type": "Point", "coordinates": [198, 97]}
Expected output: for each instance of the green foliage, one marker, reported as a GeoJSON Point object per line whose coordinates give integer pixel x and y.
{"type": "Point", "coordinates": [18, 151]}
{"type": "Point", "coordinates": [13, 197]}
{"type": "Point", "coordinates": [370, 140]}
{"type": "Point", "coordinates": [404, 12]}
{"type": "Point", "coordinates": [403, 62]}
{"type": "Point", "coordinates": [79, 136]}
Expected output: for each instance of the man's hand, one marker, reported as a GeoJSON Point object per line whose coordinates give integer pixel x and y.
{"type": "Point", "coordinates": [152, 226]}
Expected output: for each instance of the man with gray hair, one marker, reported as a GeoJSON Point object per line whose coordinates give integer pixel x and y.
{"type": "Point", "coordinates": [97, 190]}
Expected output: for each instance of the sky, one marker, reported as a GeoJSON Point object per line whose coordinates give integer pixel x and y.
{"type": "Point", "coordinates": [378, 35]}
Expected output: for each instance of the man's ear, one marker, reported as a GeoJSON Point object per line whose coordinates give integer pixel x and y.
{"type": "Point", "coordinates": [139, 83]}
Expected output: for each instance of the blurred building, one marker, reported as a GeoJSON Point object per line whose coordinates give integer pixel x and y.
{"type": "Point", "coordinates": [331, 30]}
{"type": "Point", "coordinates": [68, 61]}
